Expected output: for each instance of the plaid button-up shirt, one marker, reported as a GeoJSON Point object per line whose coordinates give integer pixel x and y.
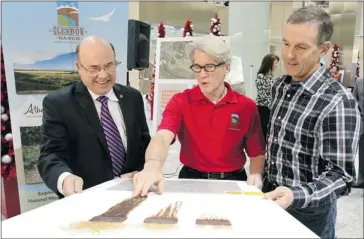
{"type": "Point", "coordinates": [313, 136]}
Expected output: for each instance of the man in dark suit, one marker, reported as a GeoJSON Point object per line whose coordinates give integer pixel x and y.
{"type": "Point", "coordinates": [359, 95]}
{"type": "Point", "coordinates": [93, 130]}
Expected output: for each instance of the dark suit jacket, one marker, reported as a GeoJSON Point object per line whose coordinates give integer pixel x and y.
{"type": "Point", "coordinates": [73, 139]}
{"type": "Point", "coordinates": [359, 95]}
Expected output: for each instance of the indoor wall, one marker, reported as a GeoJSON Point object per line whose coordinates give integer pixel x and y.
{"type": "Point", "coordinates": [358, 45]}
{"type": "Point", "coordinates": [176, 13]}
{"type": "Point", "coordinates": [343, 15]}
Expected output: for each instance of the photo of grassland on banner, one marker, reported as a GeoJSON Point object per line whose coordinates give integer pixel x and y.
{"type": "Point", "coordinates": [46, 76]}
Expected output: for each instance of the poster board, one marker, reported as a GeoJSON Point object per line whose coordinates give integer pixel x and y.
{"type": "Point", "coordinates": [39, 42]}
{"type": "Point", "coordinates": [173, 73]}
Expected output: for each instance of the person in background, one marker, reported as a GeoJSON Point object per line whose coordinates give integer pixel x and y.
{"type": "Point", "coordinates": [335, 73]}
{"type": "Point", "coordinates": [264, 83]}
{"type": "Point", "coordinates": [214, 124]}
{"type": "Point", "coordinates": [314, 128]}
{"type": "Point", "coordinates": [359, 95]}
{"type": "Point", "coordinates": [93, 130]}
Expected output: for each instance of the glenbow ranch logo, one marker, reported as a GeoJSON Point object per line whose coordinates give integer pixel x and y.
{"type": "Point", "coordinates": [68, 25]}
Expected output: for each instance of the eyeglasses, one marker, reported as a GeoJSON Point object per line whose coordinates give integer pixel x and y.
{"type": "Point", "coordinates": [110, 68]}
{"type": "Point", "coordinates": [208, 68]}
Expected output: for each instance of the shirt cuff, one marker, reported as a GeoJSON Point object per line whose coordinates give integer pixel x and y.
{"type": "Point", "coordinates": [60, 181]}
{"type": "Point", "coordinates": [300, 197]}
{"type": "Point", "coordinates": [256, 154]}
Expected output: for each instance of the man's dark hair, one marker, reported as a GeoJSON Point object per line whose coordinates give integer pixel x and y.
{"type": "Point", "coordinates": [316, 15]}
{"type": "Point", "coordinates": [78, 50]}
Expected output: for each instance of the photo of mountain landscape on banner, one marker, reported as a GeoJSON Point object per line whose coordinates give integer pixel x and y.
{"type": "Point", "coordinates": [45, 76]}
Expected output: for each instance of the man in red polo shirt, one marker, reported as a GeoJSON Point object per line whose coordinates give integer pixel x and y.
{"type": "Point", "coordinates": [215, 125]}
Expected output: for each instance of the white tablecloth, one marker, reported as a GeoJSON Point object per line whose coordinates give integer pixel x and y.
{"type": "Point", "coordinates": [250, 216]}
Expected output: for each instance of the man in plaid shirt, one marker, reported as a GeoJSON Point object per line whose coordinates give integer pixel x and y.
{"type": "Point", "coordinates": [314, 128]}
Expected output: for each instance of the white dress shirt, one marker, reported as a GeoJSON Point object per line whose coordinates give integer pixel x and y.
{"type": "Point", "coordinates": [116, 115]}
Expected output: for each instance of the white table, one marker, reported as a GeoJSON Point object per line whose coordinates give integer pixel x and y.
{"type": "Point", "coordinates": [250, 216]}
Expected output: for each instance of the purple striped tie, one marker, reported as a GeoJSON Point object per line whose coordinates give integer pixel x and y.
{"type": "Point", "coordinates": [112, 136]}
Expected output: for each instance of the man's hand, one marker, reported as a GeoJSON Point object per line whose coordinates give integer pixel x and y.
{"type": "Point", "coordinates": [255, 179]}
{"type": "Point", "coordinates": [72, 184]}
{"type": "Point", "coordinates": [143, 181]}
{"type": "Point", "coordinates": [128, 175]}
{"type": "Point", "coordinates": [283, 196]}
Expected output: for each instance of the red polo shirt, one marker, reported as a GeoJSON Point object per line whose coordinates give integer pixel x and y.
{"type": "Point", "coordinates": [213, 137]}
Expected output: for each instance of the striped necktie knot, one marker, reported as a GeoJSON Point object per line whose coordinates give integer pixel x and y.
{"type": "Point", "coordinates": [102, 99]}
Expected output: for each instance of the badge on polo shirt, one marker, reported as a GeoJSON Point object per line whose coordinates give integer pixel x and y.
{"type": "Point", "coordinates": [234, 122]}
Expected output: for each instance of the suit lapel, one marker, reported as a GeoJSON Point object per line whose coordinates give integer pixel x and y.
{"type": "Point", "coordinates": [88, 107]}
{"type": "Point", "coordinates": [126, 109]}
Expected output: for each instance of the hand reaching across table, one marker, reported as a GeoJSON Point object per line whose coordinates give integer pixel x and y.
{"type": "Point", "coordinates": [144, 180]}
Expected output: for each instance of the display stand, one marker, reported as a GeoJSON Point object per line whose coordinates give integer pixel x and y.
{"type": "Point", "coordinates": [10, 205]}
{"type": "Point", "coordinates": [187, 208]}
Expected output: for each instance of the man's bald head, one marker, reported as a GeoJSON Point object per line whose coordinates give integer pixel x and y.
{"type": "Point", "coordinates": [92, 41]}
{"type": "Point", "coordinates": [96, 64]}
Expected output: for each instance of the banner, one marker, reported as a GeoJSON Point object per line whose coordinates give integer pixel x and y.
{"type": "Point", "coordinates": [172, 73]}
{"type": "Point", "coordinates": [39, 42]}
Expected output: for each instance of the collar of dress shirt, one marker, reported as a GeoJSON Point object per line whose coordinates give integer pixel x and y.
{"type": "Point", "coordinates": [111, 95]}
{"type": "Point", "coordinates": [312, 83]}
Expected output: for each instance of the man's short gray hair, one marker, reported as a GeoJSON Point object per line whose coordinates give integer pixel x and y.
{"type": "Point", "coordinates": [316, 15]}
{"type": "Point", "coordinates": [214, 46]}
